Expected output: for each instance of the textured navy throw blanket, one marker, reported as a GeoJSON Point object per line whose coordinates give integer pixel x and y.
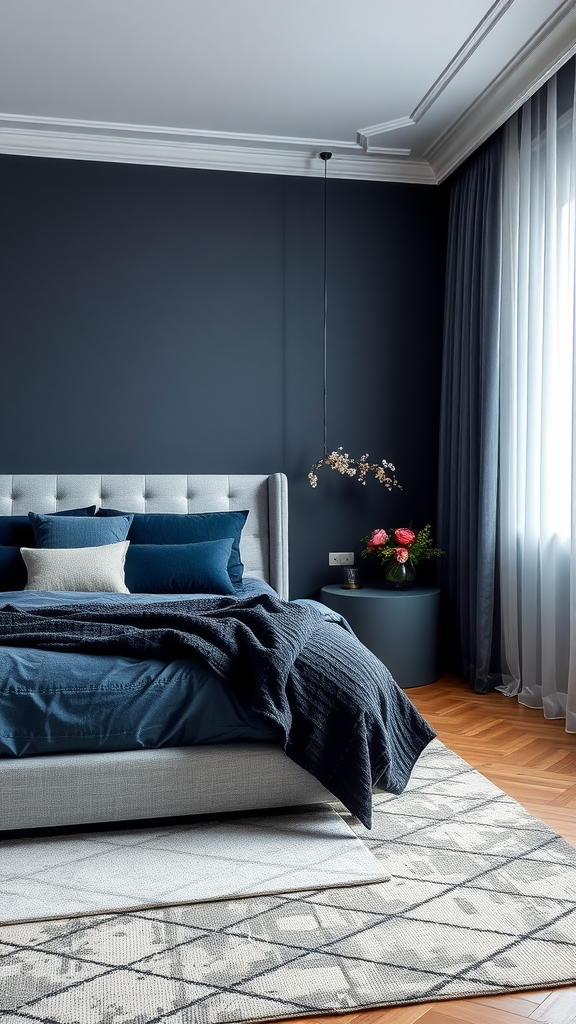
{"type": "Point", "coordinates": [342, 716]}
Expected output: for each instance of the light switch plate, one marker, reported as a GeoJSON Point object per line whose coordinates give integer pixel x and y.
{"type": "Point", "coordinates": [340, 558]}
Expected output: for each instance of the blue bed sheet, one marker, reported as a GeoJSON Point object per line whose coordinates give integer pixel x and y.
{"type": "Point", "coordinates": [52, 702]}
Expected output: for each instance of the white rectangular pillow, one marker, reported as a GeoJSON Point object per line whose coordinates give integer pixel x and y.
{"type": "Point", "coordinates": [86, 569]}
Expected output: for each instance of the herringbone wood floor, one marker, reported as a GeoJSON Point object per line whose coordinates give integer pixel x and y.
{"type": "Point", "coordinates": [533, 760]}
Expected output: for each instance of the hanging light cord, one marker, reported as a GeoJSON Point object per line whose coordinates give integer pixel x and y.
{"type": "Point", "coordinates": [325, 157]}
{"type": "Point", "coordinates": [339, 459]}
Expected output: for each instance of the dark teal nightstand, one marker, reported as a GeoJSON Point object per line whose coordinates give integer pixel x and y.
{"type": "Point", "coordinates": [399, 626]}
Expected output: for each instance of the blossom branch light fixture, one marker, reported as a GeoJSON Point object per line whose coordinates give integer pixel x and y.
{"type": "Point", "coordinates": [339, 460]}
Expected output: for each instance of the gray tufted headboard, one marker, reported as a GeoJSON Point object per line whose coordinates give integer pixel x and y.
{"type": "Point", "coordinates": [264, 544]}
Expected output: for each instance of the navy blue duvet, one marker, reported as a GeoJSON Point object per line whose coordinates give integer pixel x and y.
{"type": "Point", "coordinates": [54, 703]}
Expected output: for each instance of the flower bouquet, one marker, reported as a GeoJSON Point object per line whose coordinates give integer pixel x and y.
{"type": "Point", "coordinates": [400, 551]}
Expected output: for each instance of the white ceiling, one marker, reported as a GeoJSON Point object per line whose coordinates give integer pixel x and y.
{"type": "Point", "coordinates": [400, 90]}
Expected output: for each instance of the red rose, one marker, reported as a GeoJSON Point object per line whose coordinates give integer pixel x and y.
{"type": "Point", "coordinates": [404, 536]}
{"type": "Point", "coordinates": [401, 554]}
{"type": "Point", "coordinates": [377, 539]}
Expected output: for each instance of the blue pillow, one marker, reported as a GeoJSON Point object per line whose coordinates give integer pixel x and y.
{"type": "Point", "coordinates": [78, 531]}
{"type": "Point", "coordinates": [90, 510]}
{"type": "Point", "coordinates": [179, 568]}
{"type": "Point", "coordinates": [17, 530]}
{"type": "Point", "coordinates": [13, 573]}
{"type": "Point", "coordinates": [177, 528]}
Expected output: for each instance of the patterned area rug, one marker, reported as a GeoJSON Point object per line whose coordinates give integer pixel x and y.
{"type": "Point", "coordinates": [132, 869]}
{"type": "Point", "coordinates": [482, 900]}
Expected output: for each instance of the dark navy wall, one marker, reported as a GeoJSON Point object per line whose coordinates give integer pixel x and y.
{"type": "Point", "coordinates": [169, 320]}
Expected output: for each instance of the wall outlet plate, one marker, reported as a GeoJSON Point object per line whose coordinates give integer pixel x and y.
{"type": "Point", "coordinates": [340, 558]}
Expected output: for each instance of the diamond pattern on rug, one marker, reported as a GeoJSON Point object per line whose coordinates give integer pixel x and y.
{"type": "Point", "coordinates": [482, 900]}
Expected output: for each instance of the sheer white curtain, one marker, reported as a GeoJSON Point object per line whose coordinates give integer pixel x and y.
{"type": "Point", "coordinates": [537, 472]}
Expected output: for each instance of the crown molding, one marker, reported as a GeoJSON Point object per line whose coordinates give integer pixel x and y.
{"type": "Point", "coordinates": [76, 139]}
{"type": "Point", "coordinates": [388, 150]}
{"type": "Point", "coordinates": [119, 128]}
{"type": "Point", "coordinates": [363, 135]}
{"type": "Point", "coordinates": [476, 37]}
{"type": "Point", "coordinates": [542, 55]}
{"type": "Point", "coordinates": [474, 40]}
{"type": "Point", "coordinates": [186, 152]}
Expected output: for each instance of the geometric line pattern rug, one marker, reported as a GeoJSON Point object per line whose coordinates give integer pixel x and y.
{"type": "Point", "coordinates": [109, 870]}
{"type": "Point", "coordinates": [482, 900]}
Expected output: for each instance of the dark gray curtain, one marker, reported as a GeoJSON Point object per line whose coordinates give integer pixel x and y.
{"type": "Point", "coordinates": [468, 483]}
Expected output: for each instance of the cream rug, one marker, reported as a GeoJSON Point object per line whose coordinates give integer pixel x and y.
{"type": "Point", "coordinates": [482, 900]}
{"type": "Point", "coordinates": [106, 871]}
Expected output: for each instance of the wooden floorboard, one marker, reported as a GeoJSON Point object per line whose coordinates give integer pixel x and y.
{"type": "Point", "coordinates": [533, 760]}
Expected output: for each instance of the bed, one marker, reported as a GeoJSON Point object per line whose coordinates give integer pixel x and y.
{"type": "Point", "coordinates": [51, 789]}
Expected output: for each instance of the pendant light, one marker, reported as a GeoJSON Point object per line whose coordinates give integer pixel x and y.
{"type": "Point", "coordinates": [339, 459]}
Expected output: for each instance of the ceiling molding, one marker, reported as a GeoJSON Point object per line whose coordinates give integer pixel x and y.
{"type": "Point", "coordinates": [113, 128]}
{"type": "Point", "coordinates": [388, 150]}
{"type": "Point", "coordinates": [542, 55]}
{"type": "Point", "coordinates": [538, 58]}
{"type": "Point", "coordinates": [476, 37]}
{"type": "Point", "coordinates": [364, 134]}
{"type": "Point", "coordinates": [41, 126]}
{"type": "Point", "coordinates": [181, 153]}
{"type": "Point", "coordinates": [80, 139]}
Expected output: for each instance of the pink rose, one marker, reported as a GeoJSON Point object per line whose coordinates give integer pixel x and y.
{"type": "Point", "coordinates": [401, 554]}
{"type": "Point", "coordinates": [404, 537]}
{"type": "Point", "coordinates": [377, 538]}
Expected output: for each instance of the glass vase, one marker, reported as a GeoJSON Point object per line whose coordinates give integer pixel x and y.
{"type": "Point", "coordinates": [400, 575]}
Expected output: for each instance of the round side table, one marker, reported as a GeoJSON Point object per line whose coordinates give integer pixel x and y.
{"type": "Point", "coordinates": [399, 626]}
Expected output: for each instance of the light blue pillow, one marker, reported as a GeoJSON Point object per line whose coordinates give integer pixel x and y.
{"type": "Point", "coordinates": [179, 568]}
{"type": "Point", "coordinates": [78, 531]}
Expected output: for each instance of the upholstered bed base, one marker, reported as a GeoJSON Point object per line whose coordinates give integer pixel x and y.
{"type": "Point", "coordinates": [72, 789]}
{"type": "Point", "coordinates": [67, 789]}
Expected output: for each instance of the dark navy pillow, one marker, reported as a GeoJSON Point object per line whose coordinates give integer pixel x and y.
{"type": "Point", "coordinates": [17, 531]}
{"type": "Point", "coordinates": [90, 510]}
{"type": "Point", "coordinates": [179, 568]}
{"type": "Point", "coordinates": [13, 573]}
{"type": "Point", "coordinates": [193, 528]}
{"type": "Point", "coordinates": [78, 531]}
